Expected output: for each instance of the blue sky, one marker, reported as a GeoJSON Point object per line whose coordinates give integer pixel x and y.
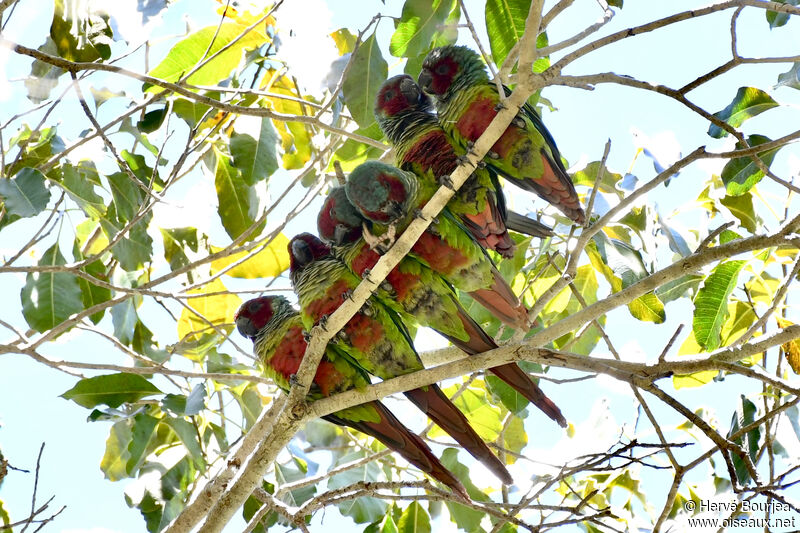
{"type": "Point", "coordinates": [31, 411]}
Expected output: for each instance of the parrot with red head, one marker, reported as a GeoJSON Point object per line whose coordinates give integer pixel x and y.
{"type": "Point", "coordinates": [422, 294]}
{"type": "Point", "coordinates": [526, 153]}
{"type": "Point", "coordinates": [375, 339]}
{"type": "Point", "coordinates": [276, 330]}
{"type": "Point", "coordinates": [422, 146]}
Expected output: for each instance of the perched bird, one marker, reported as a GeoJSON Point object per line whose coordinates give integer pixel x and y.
{"type": "Point", "coordinates": [421, 293]}
{"type": "Point", "coordinates": [276, 330]}
{"type": "Point", "coordinates": [390, 198]}
{"type": "Point", "coordinates": [526, 153]}
{"type": "Point", "coordinates": [374, 339]}
{"type": "Point", "coordinates": [404, 113]}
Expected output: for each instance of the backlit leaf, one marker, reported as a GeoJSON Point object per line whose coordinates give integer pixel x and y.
{"type": "Point", "coordinates": [266, 262]}
{"type": "Point", "coordinates": [505, 24]}
{"type": "Point", "coordinates": [740, 174]}
{"type": "Point", "coordinates": [711, 303]}
{"type": "Point", "coordinates": [49, 298]}
{"type": "Point", "coordinates": [747, 103]}
{"type": "Point", "coordinates": [110, 389]}
{"type": "Point", "coordinates": [418, 22]}
{"type": "Point", "coordinates": [368, 70]}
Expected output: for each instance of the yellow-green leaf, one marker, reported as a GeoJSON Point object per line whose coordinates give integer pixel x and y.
{"type": "Point", "coordinates": [216, 305]}
{"type": "Point", "coordinates": [267, 261]}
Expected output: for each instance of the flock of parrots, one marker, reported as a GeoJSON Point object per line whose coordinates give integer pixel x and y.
{"type": "Point", "coordinates": [379, 199]}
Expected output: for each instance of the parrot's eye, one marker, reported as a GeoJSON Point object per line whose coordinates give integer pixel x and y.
{"type": "Point", "coordinates": [442, 69]}
{"type": "Point", "coordinates": [388, 95]}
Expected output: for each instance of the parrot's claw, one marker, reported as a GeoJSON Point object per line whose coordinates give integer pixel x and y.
{"type": "Point", "coordinates": [519, 122]}
{"type": "Point", "coordinates": [463, 160]}
{"type": "Point", "coordinates": [306, 336]}
{"type": "Point", "coordinates": [293, 380]}
{"type": "Point", "coordinates": [347, 295]}
{"type": "Point", "coordinates": [481, 164]}
{"type": "Point", "coordinates": [418, 213]}
{"type": "Point", "coordinates": [446, 182]}
{"type": "Point", "coordinates": [322, 321]}
{"type": "Point", "coordinates": [380, 244]}
{"type": "Point", "coordinates": [499, 106]}
{"type": "Point", "coordinates": [385, 285]}
{"type": "Point", "coordinates": [492, 155]}
{"type": "Point", "coordinates": [366, 309]}
{"type": "Point", "coordinates": [342, 335]}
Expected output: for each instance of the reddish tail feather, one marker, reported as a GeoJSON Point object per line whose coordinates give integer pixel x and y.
{"type": "Point", "coordinates": [395, 436]}
{"type": "Point", "coordinates": [441, 410]}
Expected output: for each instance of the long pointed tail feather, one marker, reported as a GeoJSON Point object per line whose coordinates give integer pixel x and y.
{"type": "Point", "coordinates": [441, 410]}
{"type": "Point", "coordinates": [501, 301]}
{"type": "Point", "coordinates": [479, 341]}
{"type": "Point", "coordinates": [527, 225]}
{"type": "Point", "coordinates": [398, 438]}
{"type": "Point", "coordinates": [520, 381]}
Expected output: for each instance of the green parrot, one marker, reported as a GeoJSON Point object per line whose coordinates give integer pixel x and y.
{"type": "Point", "coordinates": [276, 330]}
{"type": "Point", "coordinates": [374, 339]}
{"type": "Point", "coordinates": [390, 198]}
{"type": "Point", "coordinates": [421, 293]}
{"type": "Point", "coordinates": [421, 146]}
{"type": "Point", "coordinates": [526, 153]}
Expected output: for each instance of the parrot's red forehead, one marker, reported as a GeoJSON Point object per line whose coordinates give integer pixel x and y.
{"type": "Point", "coordinates": [390, 99]}
{"type": "Point", "coordinates": [258, 311]}
{"type": "Point", "coordinates": [442, 70]}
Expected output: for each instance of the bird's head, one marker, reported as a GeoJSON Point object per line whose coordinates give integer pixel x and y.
{"type": "Point", "coordinates": [398, 94]}
{"type": "Point", "coordinates": [255, 314]}
{"type": "Point", "coordinates": [338, 221]}
{"type": "Point", "coordinates": [446, 68]}
{"type": "Point", "coordinates": [381, 193]}
{"type": "Point", "coordinates": [304, 249]}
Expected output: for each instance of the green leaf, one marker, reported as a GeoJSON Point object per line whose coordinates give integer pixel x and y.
{"type": "Point", "coordinates": [790, 78]}
{"type": "Point", "coordinates": [747, 103]}
{"type": "Point", "coordinates": [138, 165]}
{"type": "Point", "coordinates": [190, 111]}
{"type": "Point", "coordinates": [741, 174]}
{"type": "Point", "coordinates": [510, 398]}
{"type": "Point", "coordinates": [648, 308]}
{"type": "Point", "coordinates": [44, 76]}
{"type": "Point", "coordinates": [49, 298]}
{"type": "Point", "coordinates": [485, 418]}
{"type": "Point", "coordinates": [505, 24]}
{"type": "Point", "coordinates": [287, 474]}
{"type": "Point", "coordinates": [187, 432]}
{"type": "Point", "coordinates": [175, 241]}
{"type": "Point", "coordinates": [238, 202]}
{"type": "Point", "coordinates": [77, 182]}
{"type": "Point", "coordinates": [187, 53]}
{"type": "Point", "coordinates": [152, 120]}
{"type": "Point", "coordinates": [414, 520]}
{"type": "Point", "coordinates": [418, 23]}
{"type": "Point", "coordinates": [110, 389]}
{"type": "Point", "coordinates": [136, 247]}
{"type": "Point", "coordinates": [387, 525]}
{"type": "Point", "coordinates": [257, 160]}
{"type": "Point", "coordinates": [144, 427]}
{"type": "Point", "coordinates": [361, 510]}
{"type": "Point", "coordinates": [115, 459]}
{"type": "Point", "coordinates": [741, 207]}
{"type": "Point", "coordinates": [124, 318]}
{"type": "Point", "coordinates": [368, 71]}
{"type": "Point", "coordinates": [678, 288]}
{"type": "Point", "coordinates": [776, 19]}
{"type": "Point", "coordinates": [711, 303]}
{"type": "Point", "coordinates": [466, 518]}
{"type": "Point", "coordinates": [126, 194]}
{"type": "Point", "coordinates": [352, 153]}
{"type": "Point", "coordinates": [744, 416]}
{"type": "Point", "coordinates": [615, 3]}
{"type": "Point", "coordinates": [186, 405]}
{"type": "Point", "coordinates": [608, 180]}
{"type": "Point", "coordinates": [24, 194]}
{"type": "Point", "coordinates": [622, 266]}
{"type": "Point", "coordinates": [79, 34]}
